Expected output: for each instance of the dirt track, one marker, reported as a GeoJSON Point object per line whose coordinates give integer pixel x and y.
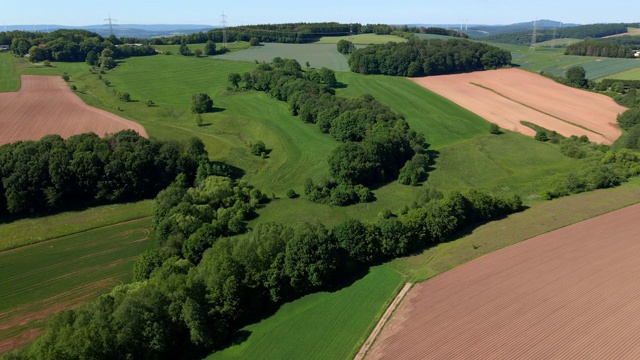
{"type": "Point", "coordinates": [45, 105]}
{"type": "Point", "coordinates": [508, 96]}
{"type": "Point", "coordinates": [569, 294]}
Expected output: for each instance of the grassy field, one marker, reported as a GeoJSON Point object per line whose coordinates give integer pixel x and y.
{"type": "Point", "coordinates": [9, 81]}
{"type": "Point", "coordinates": [232, 46]}
{"type": "Point", "coordinates": [554, 61]}
{"type": "Point", "coordinates": [28, 231]}
{"type": "Point", "coordinates": [633, 74]}
{"type": "Point", "coordinates": [326, 325]}
{"type": "Point", "coordinates": [318, 55]}
{"type": "Point", "coordinates": [44, 278]}
{"type": "Point", "coordinates": [558, 42]}
{"type": "Point", "coordinates": [361, 39]}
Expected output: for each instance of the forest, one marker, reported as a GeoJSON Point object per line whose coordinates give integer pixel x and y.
{"type": "Point", "coordinates": [428, 57]}
{"type": "Point", "coordinates": [573, 32]}
{"type": "Point", "coordinates": [54, 174]}
{"type": "Point", "coordinates": [599, 48]}
{"type": "Point", "coordinates": [70, 45]}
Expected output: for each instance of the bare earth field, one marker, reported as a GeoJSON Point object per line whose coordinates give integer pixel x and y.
{"type": "Point", "coordinates": [630, 31]}
{"type": "Point", "coordinates": [46, 105]}
{"type": "Point", "coordinates": [568, 294]}
{"type": "Point", "coordinates": [508, 96]}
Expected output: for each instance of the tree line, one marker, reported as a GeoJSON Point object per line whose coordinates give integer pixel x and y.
{"type": "Point", "coordinates": [377, 144]}
{"type": "Point", "coordinates": [70, 45]}
{"type": "Point", "coordinates": [191, 295]}
{"type": "Point", "coordinates": [56, 174]}
{"type": "Point", "coordinates": [599, 48]}
{"type": "Point", "coordinates": [573, 32]}
{"type": "Point", "coordinates": [427, 57]}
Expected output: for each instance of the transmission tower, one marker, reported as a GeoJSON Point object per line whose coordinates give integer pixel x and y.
{"type": "Point", "coordinates": [534, 36]}
{"type": "Point", "coordinates": [224, 29]}
{"type": "Point", "coordinates": [110, 23]}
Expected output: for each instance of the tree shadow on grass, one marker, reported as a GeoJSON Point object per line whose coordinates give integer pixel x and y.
{"type": "Point", "coordinates": [216, 110]}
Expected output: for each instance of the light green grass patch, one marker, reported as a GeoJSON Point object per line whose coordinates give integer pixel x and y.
{"type": "Point", "coordinates": [9, 79]}
{"type": "Point", "coordinates": [325, 325]}
{"type": "Point", "coordinates": [564, 42]}
{"type": "Point", "coordinates": [318, 55]}
{"type": "Point", "coordinates": [232, 46]}
{"type": "Point", "coordinates": [44, 278]}
{"type": "Point", "coordinates": [633, 74]}
{"type": "Point", "coordinates": [361, 39]}
{"type": "Point", "coordinates": [32, 230]}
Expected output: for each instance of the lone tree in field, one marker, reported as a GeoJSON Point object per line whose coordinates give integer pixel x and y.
{"type": "Point", "coordinates": [197, 52]}
{"type": "Point", "coordinates": [254, 41]}
{"type": "Point", "coordinates": [201, 103]}
{"type": "Point", "coordinates": [576, 76]}
{"type": "Point", "coordinates": [210, 48]}
{"type": "Point", "coordinates": [234, 79]}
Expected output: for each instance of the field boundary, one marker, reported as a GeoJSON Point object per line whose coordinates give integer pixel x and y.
{"type": "Point", "coordinates": [383, 320]}
{"type": "Point", "coordinates": [74, 233]}
{"type": "Point", "coordinates": [534, 109]}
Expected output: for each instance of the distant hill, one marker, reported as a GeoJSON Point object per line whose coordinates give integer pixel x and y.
{"type": "Point", "coordinates": [123, 30]}
{"type": "Point", "coordinates": [478, 30]}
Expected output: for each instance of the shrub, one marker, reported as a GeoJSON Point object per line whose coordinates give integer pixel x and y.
{"type": "Point", "coordinates": [74, 88]}
{"type": "Point", "coordinates": [65, 77]}
{"type": "Point", "coordinates": [46, 63]}
{"type": "Point", "coordinates": [198, 119]}
{"type": "Point", "coordinates": [149, 103]}
{"type": "Point", "coordinates": [494, 129]}
{"type": "Point", "coordinates": [541, 136]}
{"type": "Point", "coordinates": [258, 148]}
{"type": "Point", "coordinates": [124, 96]}
{"type": "Point", "coordinates": [254, 41]}
{"type": "Point", "coordinates": [291, 194]}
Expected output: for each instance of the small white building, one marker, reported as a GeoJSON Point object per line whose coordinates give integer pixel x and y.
{"type": "Point", "coordinates": [4, 47]}
{"type": "Point", "coordinates": [636, 53]}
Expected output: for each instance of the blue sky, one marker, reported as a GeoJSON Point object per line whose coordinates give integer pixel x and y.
{"type": "Point", "coordinates": [244, 12]}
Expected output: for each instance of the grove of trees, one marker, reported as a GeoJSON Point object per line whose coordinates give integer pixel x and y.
{"type": "Point", "coordinates": [53, 173]}
{"type": "Point", "coordinates": [599, 48]}
{"type": "Point", "coordinates": [427, 57]}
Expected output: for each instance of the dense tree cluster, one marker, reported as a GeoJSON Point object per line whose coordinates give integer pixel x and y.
{"type": "Point", "coordinates": [628, 40]}
{"type": "Point", "coordinates": [573, 32]}
{"type": "Point", "coordinates": [70, 45]}
{"type": "Point", "coordinates": [376, 141]}
{"type": "Point", "coordinates": [54, 173]}
{"type": "Point", "coordinates": [184, 306]}
{"type": "Point", "coordinates": [599, 48]}
{"type": "Point", "coordinates": [427, 57]}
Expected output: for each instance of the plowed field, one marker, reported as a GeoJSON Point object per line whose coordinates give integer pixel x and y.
{"type": "Point", "coordinates": [508, 96]}
{"type": "Point", "coordinates": [46, 105]}
{"type": "Point", "coordinates": [569, 294]}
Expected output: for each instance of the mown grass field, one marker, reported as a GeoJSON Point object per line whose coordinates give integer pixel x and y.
{"type": "Point", "coordinates": [318, 55]}
{"type": "Point", "coordinates": [361, 39]}
{"type": "Point", "coordinates": [558, 42]}
{"type": "Point", "coordinates": [633, 74]}
{"type": "Point", "coordinates": [9, 81]}
{"type": "Point", "coordinates": [325, 325]}
{"type": "Point", "coordinates": [28, 231]}
{"type": "Point", "coordinates": [41, 279]}
{"type": "Point", "coordinates": [554, 61]}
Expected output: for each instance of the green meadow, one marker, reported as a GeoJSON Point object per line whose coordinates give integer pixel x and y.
{"type": "Point", "coordinates": [41, 279]}
{"type": "Point", "coordinates": [318, 55]}
{"type": "Point", "coordinates": [361, 39]}
{"type": "Point", "coordinates": [633, 74]}
{"type": "Point", "coordinates": [9, 81]}
{"type": "Point", "coordinates": [325, 325]}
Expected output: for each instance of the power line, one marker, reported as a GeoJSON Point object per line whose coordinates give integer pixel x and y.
{"type": "Point", "coordinates": [110, 24]}
{"type": "Point", "coordinates": [224, 29]}
{"type": "Point", "coordinates": [534, 36]}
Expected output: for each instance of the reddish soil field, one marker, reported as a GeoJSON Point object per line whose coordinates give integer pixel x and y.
{"type": "Point", "coordinates": [508, 96]}
{"type": "Point", "coordinates": [46, 105]}
{"type": "Point", "coordinates": [569, 294]}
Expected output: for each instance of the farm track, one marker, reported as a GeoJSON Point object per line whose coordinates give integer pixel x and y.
{"type": "Point", "coordinates": [568, 294]}
{"type": "Point", "coordinates": [508, 96]}
{"type": "Point", "coordinates": [46, 105]}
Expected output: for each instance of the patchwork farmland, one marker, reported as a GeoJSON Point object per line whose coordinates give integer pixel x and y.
{"type": "Point", "coordinates": [46, 105]}
{"type": "Point", "coordinates": [507, 97]}
{"type": "Point", "coordinates": [571, 293]}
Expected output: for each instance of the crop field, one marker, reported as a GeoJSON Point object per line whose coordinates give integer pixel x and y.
{"type": "Point", "coordinates": [318, 55]}
{"type": "Point", "coordinates": [41, 279]}
{"type": "Point", "coordinates": [554, 61]}
{"type": "Point", "coordinates": [31, 230]}
{"type": "Point", "coordinates": [630, 31]}
{"type": "Point", "coordinates": [361, 39]}
{"type": "Point", "coordinates": [46, 105]}
{"type": "Point", "coordinates": [508, 96]}
{"type": "Point", "coordinates": [564, 294]}
{"type": "Point", "coordinates": [326, 325]}
{"type": "Point", "coordinates": [232, 46]}
{"type": "Point", "coordinates": [558, 42]}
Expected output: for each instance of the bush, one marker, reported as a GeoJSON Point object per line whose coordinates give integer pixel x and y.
{"type": "Point", "coordinates": [65, 77]}
{"type": "Point", "coordinates": [494, 129]}
{"type": "Point", "coordinates": [74, 88]}
{"type": "Point", "coordinates": [198, 119]}
{"type": "Point", "coordinates": [291, 194]}
{"type": "Point", "coordinates": [254, 41]}
{"type": "Point", "coordinates": [541, 136]}
{"type": "Point", "coordinates": [197, 52]}
{"type": "Point", "coordinates": [149, 103]}
{"type": "Point", "coordinates": [46, 63]}
{"type": "Point", "coordinates": [258, 148]}
{"type": "Point", "coordinates": [124, 96]}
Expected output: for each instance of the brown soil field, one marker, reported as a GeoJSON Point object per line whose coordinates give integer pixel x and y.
{"type": "Point", "coordinates": [508, 96]}
{"type": "Point", "coordinates": [569, 294]}
{"type": "Point", "coordinates": [630, 31]}
{"type": "Point", "coordinates": [46, 105]}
